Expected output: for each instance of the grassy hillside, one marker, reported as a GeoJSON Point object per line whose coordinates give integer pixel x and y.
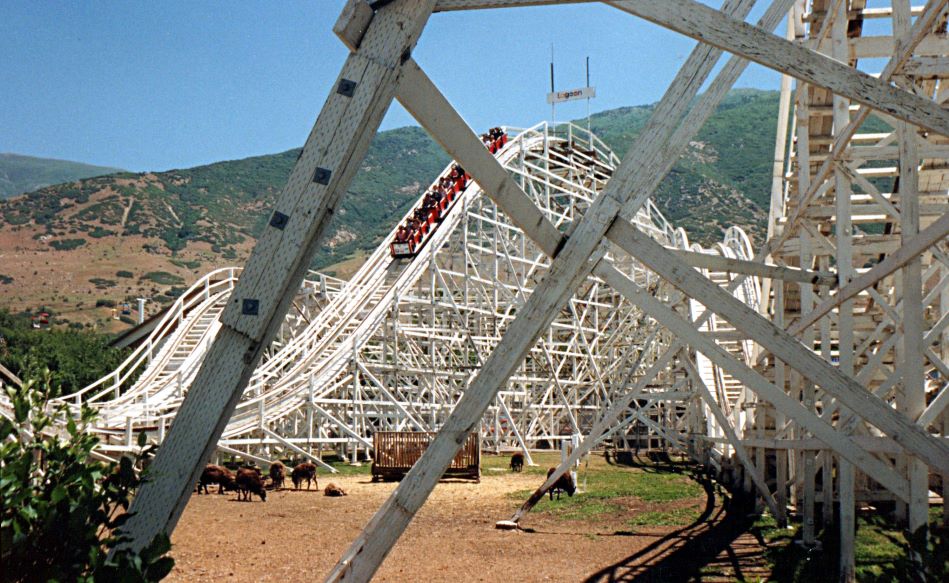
{"type": "Point", "coordinates": [724, 177]}
{"type": "Point", "coordinates": [19, 174]}
{"type": "Point", "coordinates": [112, 238]}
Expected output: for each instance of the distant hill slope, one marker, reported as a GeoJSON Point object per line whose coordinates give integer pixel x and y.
{"type": "Point", "coordinates": [19, 174]}
{"type": "Point", "coordinates": [114, 238]}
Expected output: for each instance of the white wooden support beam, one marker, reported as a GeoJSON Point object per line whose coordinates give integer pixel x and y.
{"type": "Point", "coordinates": [793, 408]}
{"type": "Point", "coordinates": [754, 472]}
{"type": "Point", "coordinates": [763, 270]}
{"type": "Point", "coordinates": [781, 344]}
{"type": "Point", "coordinates": [301, 451]}
{"type": "Point", "coordinates": [711, 26]}
{"type": "Point", "coordinates": [259, 301]}
{"type": "Point", "coordinates": [569, 268]}
{"type": "Point", "coordinates": [910, 249]}
{"type": "Point", "coordinates": [451, 5]}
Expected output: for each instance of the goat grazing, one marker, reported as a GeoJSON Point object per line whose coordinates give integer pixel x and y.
{"type": "Point", "coordinates": [305, 471]}
{"type": "Point", "coordinates": [563, 484]}
{"type": "Point", "coordinates": [219, 475]}
{"type": "Point", "coordinates": [249, 482]}
{"type": "Point", "coordinates": [277, 473]}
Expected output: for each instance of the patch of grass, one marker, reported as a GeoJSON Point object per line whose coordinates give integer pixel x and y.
{"type": "Point", "coordinates": [673, 517]}
{"type": "Point", "coordinates": [186, 264]}
{"type": "Point", "coordinates": [605, 485]}
{"type": "Point", "coordinates": [163, 278]}
{"type": "Point", "coordinates": [102, 282]}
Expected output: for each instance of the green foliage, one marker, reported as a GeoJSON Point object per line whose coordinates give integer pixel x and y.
{"type": "Point", "coordinates": [74, 358]}
{"type": "Point", "coordinates": [67, 244]}
{"type": "Point", "coordinates": [882, 553]}
{"type": "Point", "coordinates": [186, 264]}
{"type": "Point", "coordinates": [125, 274]}
{"type": "Point", "coordinates": [101, 282]}
{"type": "Point", "coordinates": [62, 511]}
{"type": "Point", "coordinates": [163, 278]}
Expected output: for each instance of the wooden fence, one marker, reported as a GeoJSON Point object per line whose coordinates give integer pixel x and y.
{"type": "Point", "coordinates": [395, 452]}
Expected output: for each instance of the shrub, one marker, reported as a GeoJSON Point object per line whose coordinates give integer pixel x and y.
{"type": "Point", "coordinates": [125, 274]}
{"type": "Point", "coordinates": [62, 510]}
{"type": "Point", "coordinates": [67, 244]}
{"type": "Point", "coordinates": [103, 303]}
{"type": "Point", "coordinates": [163, 278]}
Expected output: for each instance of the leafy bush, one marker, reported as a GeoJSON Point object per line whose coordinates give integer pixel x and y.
{"type": "Point", "coordinates": [123, 273]}
{"type": "Point", "coordinates": [104, 303]}
{"type": "Point", "coordinates": [62, 510]}
{"type": "Point", "coordinates": [102, 282]}
{"type": "Point", "coordinates": [67, 244]}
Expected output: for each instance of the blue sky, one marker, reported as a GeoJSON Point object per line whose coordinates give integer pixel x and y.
{"type": "Point", "coordinates": [173, 84]}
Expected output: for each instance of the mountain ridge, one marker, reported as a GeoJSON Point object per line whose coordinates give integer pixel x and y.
{"type": "Point", "coordinates": [160, 230]}
{"type": "Point", "coordinates": [20, 173]}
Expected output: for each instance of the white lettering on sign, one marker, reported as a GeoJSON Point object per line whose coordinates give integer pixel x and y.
{"type": "Point", "coordinates": [571, 94]}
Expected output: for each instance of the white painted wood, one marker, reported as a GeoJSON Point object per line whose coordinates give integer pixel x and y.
{"type": "Point", "coordinates": [752, 379]}
{"type": "Point", "coordinates": [911, 248]}
{"type": "Point", "coordinates": [780, 343]}
{"type": "Point", "coordinates": [569, 267]}
{"type": "Point", "coordinates": [762, 270]}
{"type": "Point", "coordinates": [710, 26]}
{"type": "Point", "coordinates": [277, 265]}
{"type": "Point", "coordinates": [450, 5]}
{"type": "Point", "coordinates": [732, 437]}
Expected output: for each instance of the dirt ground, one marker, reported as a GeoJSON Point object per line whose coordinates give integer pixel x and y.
{"type": "Point", "coordinates": [299, 536]}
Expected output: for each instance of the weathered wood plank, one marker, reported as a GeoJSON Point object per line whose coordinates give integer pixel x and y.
{"type": "Point", "coordinates": [782, 344]}
{"type": "Point", "coordinates": [752, 379]}
{"type": "Point", "coordinates": [569, 267]}
{"type": "Point", "coordinates": [711, 26]}
{"type": "Point", "coordinates": [256, 308]}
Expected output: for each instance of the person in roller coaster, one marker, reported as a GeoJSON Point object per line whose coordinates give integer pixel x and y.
{"type": "Point", "coordinates": [402, 234]}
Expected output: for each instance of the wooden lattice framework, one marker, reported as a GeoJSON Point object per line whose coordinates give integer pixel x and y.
{"type": "Point", "coordinates": [848, 370]}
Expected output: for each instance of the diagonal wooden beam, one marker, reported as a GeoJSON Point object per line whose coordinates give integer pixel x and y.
{"type": "Point", "coordinates": [452, 5]}
{"type": "Point", "coordinates": [569, 268]}
{"type": "Point", "coordinates": [756, 473]}
{"type": "Point", "coordinates": [784, 346]}
{"type": "Point", "coordinates": [909, 250]}
{"type": "Point", "coordinates": [257, 306]}
{"type": "Point", "coordinates": [711, 26]}
{"type": "Point", "coordinates": [752, 379]}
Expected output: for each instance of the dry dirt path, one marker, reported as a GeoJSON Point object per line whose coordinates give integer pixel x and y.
{"type": "Point", "coordinates": [298, 536]}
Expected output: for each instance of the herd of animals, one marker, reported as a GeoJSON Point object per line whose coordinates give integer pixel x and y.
{"type": "Point", "coordinates": [248, 480]}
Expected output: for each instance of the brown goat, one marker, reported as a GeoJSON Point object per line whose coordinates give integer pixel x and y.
{"type": "Point", "coordinates": [277, 473]}
{"type": "Point", "coordinates": [563, 484]}
{"type": "Point", "coordinates": [305, 471]}
{"type": "Point", "coordinates": [333, 490]}
{"type": "Point", "coordinates": [517, 462]}
{"type": "Point", "coordinates": [249, 482]}
{"type": "Point", "coordinates": [219, 475]}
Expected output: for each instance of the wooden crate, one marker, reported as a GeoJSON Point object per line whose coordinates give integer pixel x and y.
{"type": "Point", "coordinates": [395, 452]}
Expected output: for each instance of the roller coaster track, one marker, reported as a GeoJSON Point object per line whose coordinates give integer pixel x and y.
{"type": "Point", "coordinates": [394, 347]}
